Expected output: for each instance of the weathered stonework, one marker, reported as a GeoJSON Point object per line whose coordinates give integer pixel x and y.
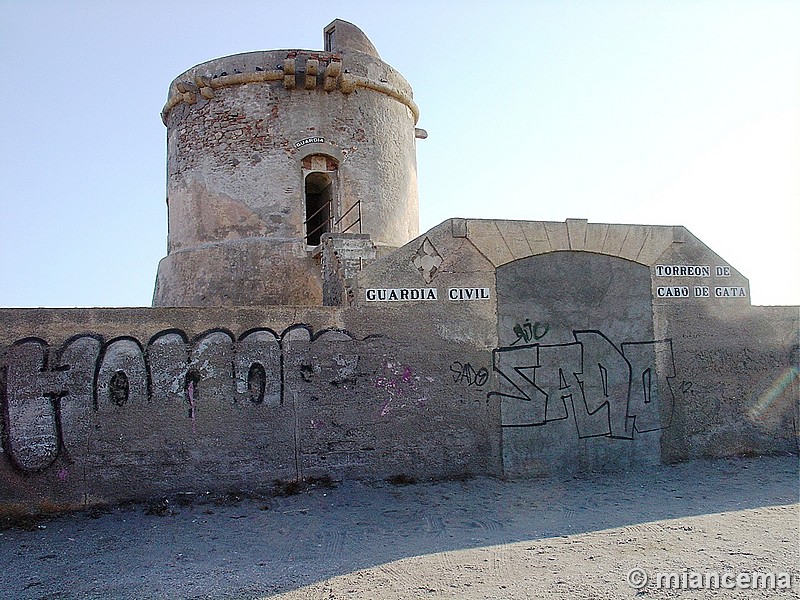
{"type": "Point", "coordinates": [343, 256]}
{"type": "Point", "coordinates": [489, 347]}
{"type": "Point", "coordinates": [599, 360]}
{"type": "Point", "coordinates": [240, 137]}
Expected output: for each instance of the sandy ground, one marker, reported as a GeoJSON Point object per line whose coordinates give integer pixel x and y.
{"type": "Point", "coordinates": [474, 539]}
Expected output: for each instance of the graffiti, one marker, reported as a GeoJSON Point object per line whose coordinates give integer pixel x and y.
{"type": "Point", "coordinates": [466, 373]}
{"type": "Point", "coordinates": [400, 386]}
{"type": "Point", "coordinates": [192, 379]}
{"type": "Point", "coordinates": [527, 331]}
{"type": "Point", "coordinates": [257, 383]}
{"type": "Point", "coordinates": [46, 394]}
{"type": "Point", "coordinates": [118, 388]}
{"type": "Point", "coordinates": [606, 390]}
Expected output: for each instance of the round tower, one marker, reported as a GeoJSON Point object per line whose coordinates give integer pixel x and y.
{"type": "Point", "coordinates": [267, 151]}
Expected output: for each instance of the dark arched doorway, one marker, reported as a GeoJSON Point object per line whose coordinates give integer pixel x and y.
{"type": "Point", "coordinates": [319, 206]}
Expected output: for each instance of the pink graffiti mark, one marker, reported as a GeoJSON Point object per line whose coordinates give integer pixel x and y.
{"type": "Point", "coordinates": [390, 385]}
{"type": "Point", "coordinates": [399, 383]}
{"type": "Point", "coordinates": [385, 410]}
{"type": "Point", "coordinates": [62, 474]}
{"type": "Point", "coordinates": [190, 394]}
{"type": "Point", "coordinates": [391, 388]}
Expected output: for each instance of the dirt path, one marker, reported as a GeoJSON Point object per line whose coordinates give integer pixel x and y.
{"type": "Point", "coordinates": [482, 538]}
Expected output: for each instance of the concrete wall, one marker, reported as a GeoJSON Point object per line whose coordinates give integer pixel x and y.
{"type": "Point", "coordinates": [737, 386]}
{"type": "Point", "coordinates": [480, 347]}
{"type": "Point", "coordinates": [615, 344]}
{"type": "Point", "coordinates": [105, 405]}
{"type": "Point", "coordinates": [578, 379]}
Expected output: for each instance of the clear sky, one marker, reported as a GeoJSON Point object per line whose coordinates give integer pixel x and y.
{"type": "Point", "coordinates": [673, 112]}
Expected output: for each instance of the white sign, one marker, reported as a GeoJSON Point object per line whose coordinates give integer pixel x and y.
{"type": "Point", "coordinates": [468, 293]}
{"type": "Point", "coordinates": [310, 140]}
{"type": "Point", "coordinates": [674, 291]}
{"type": "Point", "coordinates": [730, 292]}
{"type": "Point", "coordinates": [683, 271]}
{"type": "Point", "coordinates": [723, 271]}
{"type": "Point", "coordinates": [400, 294]}
{"type": "Point", "coordinates": [697, 291]}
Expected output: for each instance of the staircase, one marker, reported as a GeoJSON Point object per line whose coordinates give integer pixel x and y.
{"type": "Point", "coordinates": [343, 257]}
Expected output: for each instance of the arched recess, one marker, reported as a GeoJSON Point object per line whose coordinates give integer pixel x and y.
{"type": "Point", "coordinates": [571, 290]}
{"type": "Point", "coordinates": [581, 380]}
{"type": "Point", "coordinates": [320, 196]}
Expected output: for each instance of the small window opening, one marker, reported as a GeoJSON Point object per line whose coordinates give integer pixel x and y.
{"type": "Point", "coordinates": [329, 39]}
{"type": "Point", "coordinates": [319, 198]}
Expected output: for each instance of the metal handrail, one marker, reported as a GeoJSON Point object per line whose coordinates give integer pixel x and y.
{"type": "Point", "coordinates": [310, 233]}
{"type": "Point", "coordinates": [319, 210]}
{"type": "Point", "coordinates": [348, 211]}
{"type": "Point", "coordinates": [334, 223]}
{"type": "Point", "coordinates": [358, 222]}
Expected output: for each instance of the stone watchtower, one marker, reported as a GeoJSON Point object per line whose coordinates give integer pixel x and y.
{"type": "Point", "coordinates": [266, 152]}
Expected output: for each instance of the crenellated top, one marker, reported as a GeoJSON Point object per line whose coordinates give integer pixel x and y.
{"type": "Point", "coordinates": [348, 62]}
{"type": "Point", "coordinates": [295, 69]}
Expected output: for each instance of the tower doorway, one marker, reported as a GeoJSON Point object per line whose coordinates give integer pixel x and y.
{"type": "Point", "coordinates": [320, 196]}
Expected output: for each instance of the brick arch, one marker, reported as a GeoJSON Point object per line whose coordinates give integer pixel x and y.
{"type": "Point", "coordinates": [319, 148]}
{"type": "Point", "coordinates": [502, 242]}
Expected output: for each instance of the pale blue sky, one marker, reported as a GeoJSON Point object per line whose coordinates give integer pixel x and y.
{"type": "Point", "coordinates": [679, 112]}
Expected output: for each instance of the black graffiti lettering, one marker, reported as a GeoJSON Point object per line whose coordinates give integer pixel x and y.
{"type": "Point", "coordinates": [259, 347]}
{"type": "Point", "coordinates": [121, 364]}
{"type": "Point", "coordinates": [607, 390]}
{"type": "Point", "coordinates": [190, 386]}
{"type": "Point", "coordinates": [466, 373]}
{"type": "Point", "coordinates": [647, 385]}
{"type": "Point", "coordinates": [32, 393]}
{"type": "Point", "coordinates": [118, 388]}
{"type": "Point", "coordinates": [528, 331]}
{"type": "Point", "coordinates": [307, 373]}
{"type": "Point", "coordinates": [48, 399]}
{"type": "Point", "coordinates": [256, 383]}
{"type": "Point", "coordinates": [650, 407]}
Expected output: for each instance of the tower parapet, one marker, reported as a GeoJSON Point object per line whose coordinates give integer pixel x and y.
{"type": "Point", "coordinates": [266, 152]}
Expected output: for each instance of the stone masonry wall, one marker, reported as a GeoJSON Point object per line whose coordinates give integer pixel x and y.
{"type": "Point", "coordinates": [616, 345]}
{"type": "Point", "coordinates": [239, 132]}
{"type": "Point", "coordinates": [480, 347]}
{"type": "Point", "coordinates": [107, 405]}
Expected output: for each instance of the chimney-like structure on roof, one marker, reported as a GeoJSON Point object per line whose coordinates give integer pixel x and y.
{"type": "Point", "coordinates": [266, 152]}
